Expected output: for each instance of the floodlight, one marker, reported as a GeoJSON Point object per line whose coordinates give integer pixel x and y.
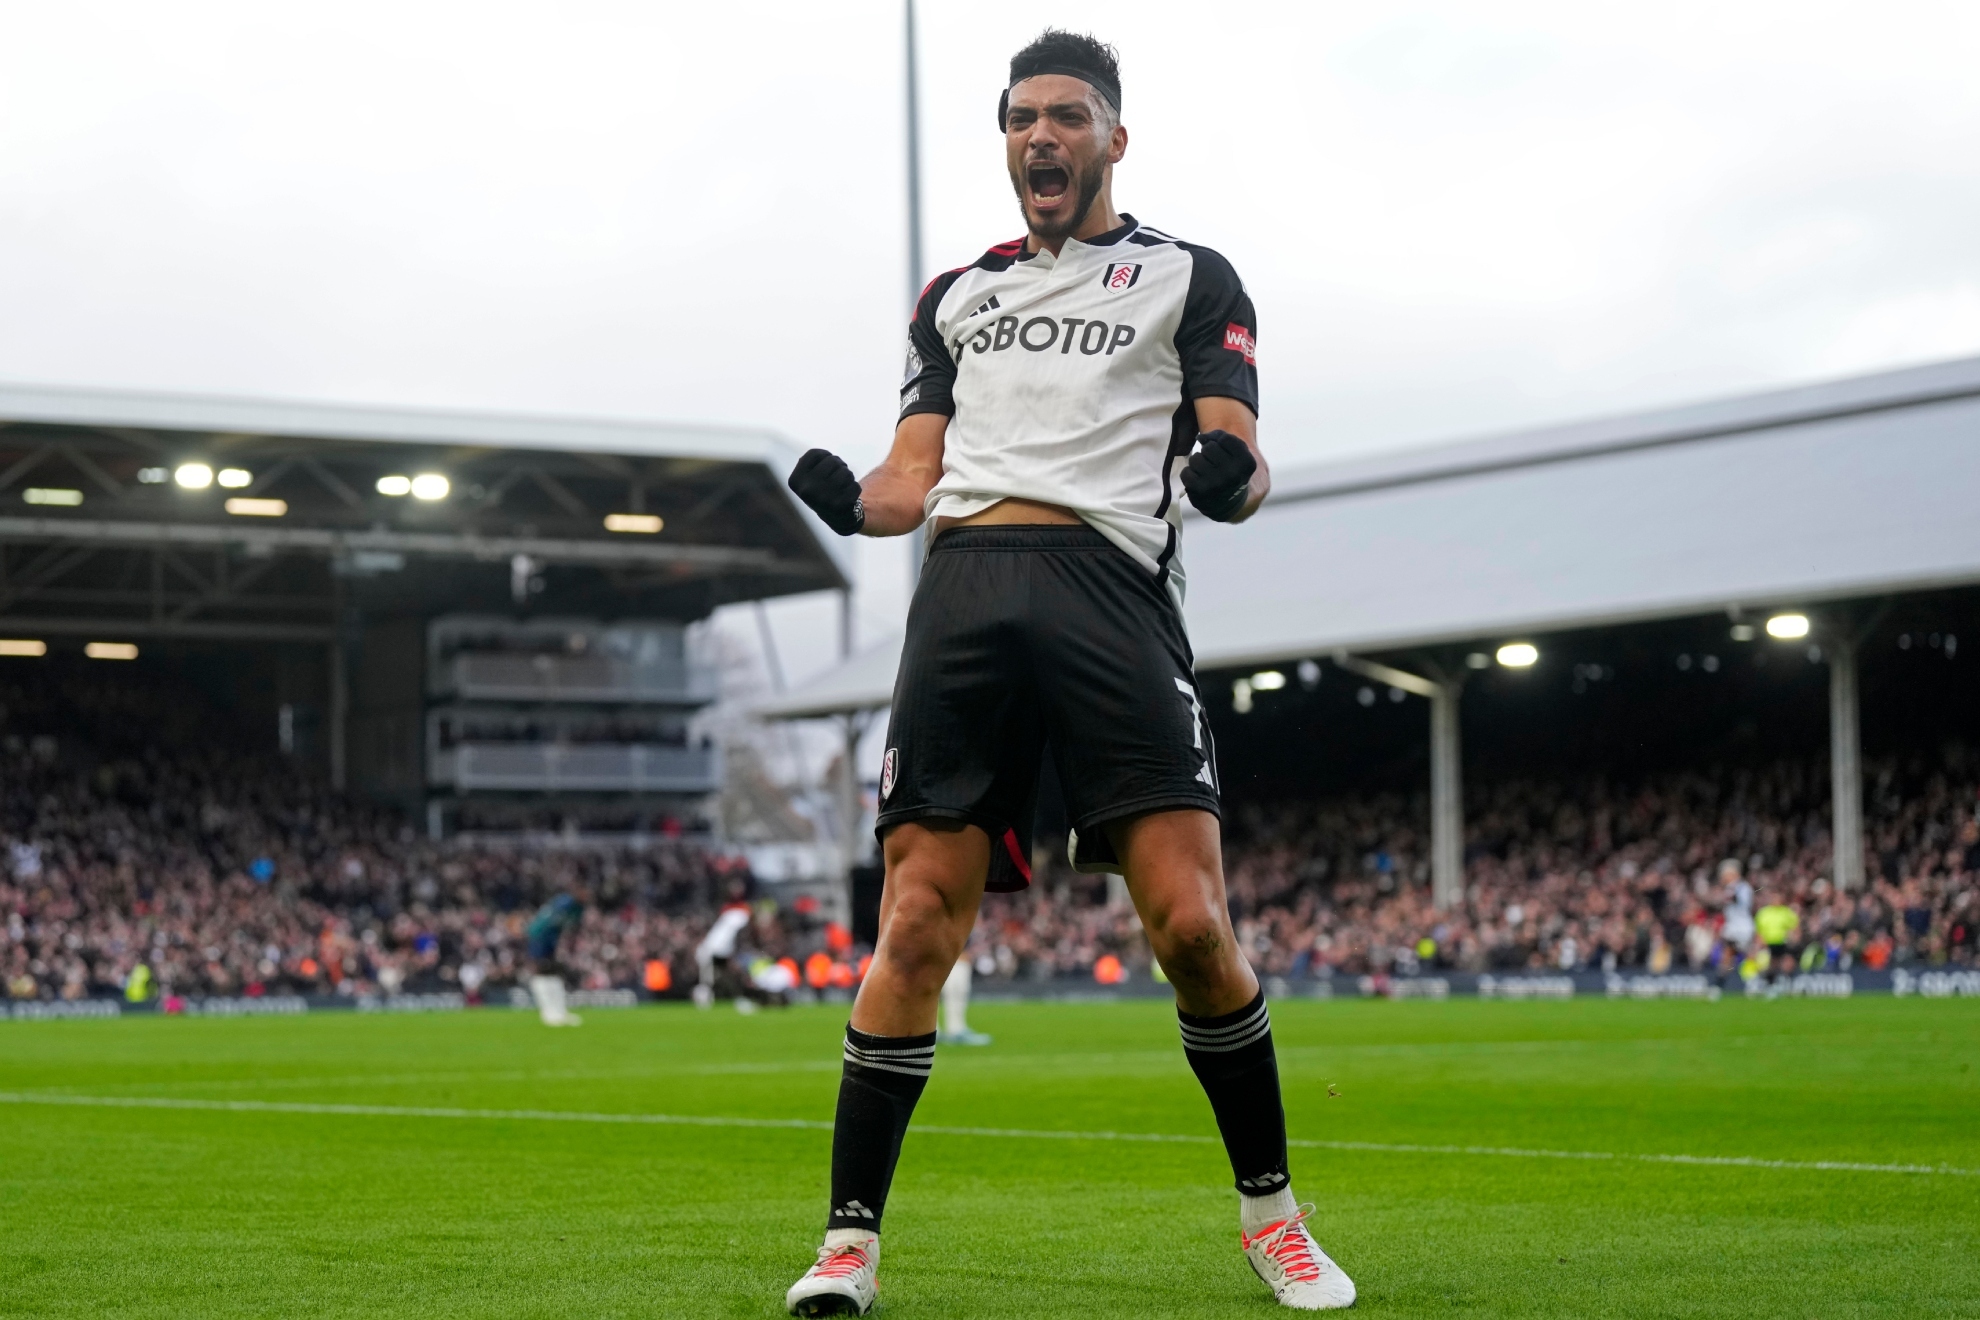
{"type": "Point", "coordinates": [52, 495]}
{"type": "Point", "coordinates": [111, 651]}
{"type": "Point", "coordinates": [1742, 632]}
{"type": "Point", "coordinates": [1478, 660]}
{"type": "Point", "coordinates": [646, 523]}
{"type": "Point", "coordinates": [430, 486]}
{"type": "Point", "coordinates": [242, 506]}
{"type": "Point", "coordinates": [194, 476]}
{"type": "Point", "coordinates": [236, 478]}
{"type": "Point", "coordinates": [153, 476]}
{"type": "Point", "coordinates": [1268, 680]}
{"type": "Point", "coordinates": [1241, 696]}
{"type": "Point", "coordinates": [1787, 627]}
{"type": "Point", "coordinates": [395, 485]}
{"type": "Point", "coordinates": [22, 646]}
{"type": "Point", "coordinates": [1518, 655]}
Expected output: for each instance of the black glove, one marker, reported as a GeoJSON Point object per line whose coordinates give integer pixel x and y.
{"type": "Point", "coordinates": [822, 480]}
{"type": "Point", "coordinates": [1217, 477]}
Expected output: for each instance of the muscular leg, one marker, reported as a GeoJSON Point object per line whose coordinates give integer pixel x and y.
{"type": "Point", "coordinates": [1174, 864]}
{"type": "Point", "coordinates": [1174, 867]}
{"type": "Point", "coordinates": [935, 875]}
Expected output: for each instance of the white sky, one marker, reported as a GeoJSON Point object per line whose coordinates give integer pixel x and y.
{"type": "Point", "coordinates": [1453, 218]}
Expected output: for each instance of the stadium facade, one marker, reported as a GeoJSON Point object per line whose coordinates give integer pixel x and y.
{"type": "Point", "coordinates": [444, 610]}
{"type": "Point", "coordinates": [1835, 503]}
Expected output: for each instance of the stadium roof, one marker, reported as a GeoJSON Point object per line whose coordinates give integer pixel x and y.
{"type": "Point", "coordinates": [96, 536]}
{"type": "Point", "coordinates": [1851, 488]}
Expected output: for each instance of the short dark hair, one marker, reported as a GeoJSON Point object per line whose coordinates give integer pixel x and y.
{"type": "Point", "coordinates": [1073, 53]}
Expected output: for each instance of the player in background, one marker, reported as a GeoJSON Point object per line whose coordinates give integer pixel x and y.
{"type": "Point", "coordinates": [1063, 393]}
{"type": "Point", "coordinates": [546, 982]}
{"type": "Point", "coordinates": [717, 950]}
{"type": "Point", "coordinates": [1774, 925]}
{"type": "Point", "coordinates": [955, 1007]}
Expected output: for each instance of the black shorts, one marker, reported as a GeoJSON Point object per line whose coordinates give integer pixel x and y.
{"type": "Point", "coordinates": [1028, 639]}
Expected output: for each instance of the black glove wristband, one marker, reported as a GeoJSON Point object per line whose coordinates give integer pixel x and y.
{"type": "Point", "coordinates": [1217, 478]}
{"type": "Point", "coordinates": [823, 481]}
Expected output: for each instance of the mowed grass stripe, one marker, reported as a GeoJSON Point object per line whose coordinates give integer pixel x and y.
{"type": "Point", "coordinates": [1023, 1134]}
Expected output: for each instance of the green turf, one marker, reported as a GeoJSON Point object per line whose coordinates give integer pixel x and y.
{"type": "Point", "coordinates": [201, 1213]}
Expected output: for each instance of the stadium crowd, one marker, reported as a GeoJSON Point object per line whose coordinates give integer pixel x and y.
{"type": "Point", "coordinates": [223, 871]}
{"type": "Point", "coordinates": [223, 885]}
{"type": "Point", "coordinates": [1668, 874]}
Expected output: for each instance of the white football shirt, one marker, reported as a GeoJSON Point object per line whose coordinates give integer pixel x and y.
{"type": "Point", "coordinates": [1072, 380]}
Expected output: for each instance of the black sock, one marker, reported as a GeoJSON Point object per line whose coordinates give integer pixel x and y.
{"type": "Point", "coordinates": [883, 1078]}
{"type": "Point", "coordinates": [1232, 1057]}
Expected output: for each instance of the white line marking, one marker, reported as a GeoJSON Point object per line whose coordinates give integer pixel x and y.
{"type": "Point", "coordinates": [1026, 1134]}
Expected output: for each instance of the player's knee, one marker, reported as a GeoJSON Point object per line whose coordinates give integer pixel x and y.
{"type": "Point", "coordinates": [919, 941]}
{"type": "Point", "coordinates": [1191, 942]}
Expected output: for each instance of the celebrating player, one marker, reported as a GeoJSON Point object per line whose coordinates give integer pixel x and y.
{"type": "Point", "coordinates": [1058, 390]}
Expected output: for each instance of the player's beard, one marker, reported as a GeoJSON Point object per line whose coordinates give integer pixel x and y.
{"type": "Point", "coordinates": [1086, 186]}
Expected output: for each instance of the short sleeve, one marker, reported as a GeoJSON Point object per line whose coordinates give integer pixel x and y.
{"type": "Point", "coordinates": [1218, 337]}
{"type": "Point", "coordinates": [928, 381]}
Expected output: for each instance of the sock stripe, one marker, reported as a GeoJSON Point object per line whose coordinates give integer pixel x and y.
{"type": "Point", "coordinates": [1263, 1030]}
{"type": "Point", "coordinates": [893, 1056]}
{"type": "Point", "coordinates": [909, 1071]}
{"type": "Point", "coordinates": [1226, 1032]}
{"type": "Point", "coordinates": [910, 1060]}
{"type": "Point", "coordinates": [1234, 1036]}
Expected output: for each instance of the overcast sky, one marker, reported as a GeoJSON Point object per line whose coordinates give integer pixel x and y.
{"type": "Point", "coordinates": [1453, 218]}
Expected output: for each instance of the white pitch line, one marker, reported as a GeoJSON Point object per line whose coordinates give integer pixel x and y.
{"type": "Point", "coordinates": [1026, 1134]}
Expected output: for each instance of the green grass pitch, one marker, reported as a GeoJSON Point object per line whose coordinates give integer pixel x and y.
{"type": "Point", "coordinates": [315, 1194]}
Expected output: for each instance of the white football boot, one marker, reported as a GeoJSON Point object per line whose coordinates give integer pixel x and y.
{"type": "Point", "coordinates": [844, 1281]}
{"type": "Point", "coordinates": [1299, 1274]}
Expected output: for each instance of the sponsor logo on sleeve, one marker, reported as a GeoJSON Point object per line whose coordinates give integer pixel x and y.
{"type": "Point", "coordinates": [1121, 275]}
{"type": "Point", "coordinates": [1240, 340]}
{"type": "Point", "coordinates": [913, 367]}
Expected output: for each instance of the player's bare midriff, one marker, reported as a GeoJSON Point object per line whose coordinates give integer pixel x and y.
{"type": "Point", "coordinates": [1013, 511]}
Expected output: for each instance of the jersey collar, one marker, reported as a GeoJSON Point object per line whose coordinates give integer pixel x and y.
{"type": "Point", "coordinates": [1127, 226]}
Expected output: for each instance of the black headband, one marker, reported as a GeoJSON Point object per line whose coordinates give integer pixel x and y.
{"type": "Point", "coordinates": [1109, 90]}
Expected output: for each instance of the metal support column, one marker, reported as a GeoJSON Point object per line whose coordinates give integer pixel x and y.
{"type": "Point", "coordinates": [854, 725]}
{"type": "Point", "coordinates": [1446, 798]}
{"type": "Point", "coordinates": [1845, 764]}
{"type": "Point", "coordinates": [340, 703]}
{"type": "Point", "coordinates": [1446, 766]}
{"type": "Point", "coordinates": [914, 258]}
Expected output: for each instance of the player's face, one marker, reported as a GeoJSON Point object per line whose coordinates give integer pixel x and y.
{"type": "Point", "coordinates": [1059, 140]}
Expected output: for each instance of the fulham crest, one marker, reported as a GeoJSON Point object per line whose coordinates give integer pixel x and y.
{"type": "Point", "coordinates": [1121, 275]}
{"type": "Point", "coordinates": [888, 765]}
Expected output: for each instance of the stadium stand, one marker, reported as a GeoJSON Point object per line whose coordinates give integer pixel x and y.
{"type": "Point", "coordinates": [1559, 876]}
{"type": "Point", "coordinates": [151, 831]}
{"type": "Point", "coordinates": [145, 819]}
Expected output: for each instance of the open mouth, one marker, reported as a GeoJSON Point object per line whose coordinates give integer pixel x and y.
{"type": "Point", "coordinates": [1048, 184]}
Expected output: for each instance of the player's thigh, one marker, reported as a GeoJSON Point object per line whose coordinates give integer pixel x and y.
{"type": "Point", "coordinates": [935, 869]}
{"type": "Point", "coordinates": [1173, 864]}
